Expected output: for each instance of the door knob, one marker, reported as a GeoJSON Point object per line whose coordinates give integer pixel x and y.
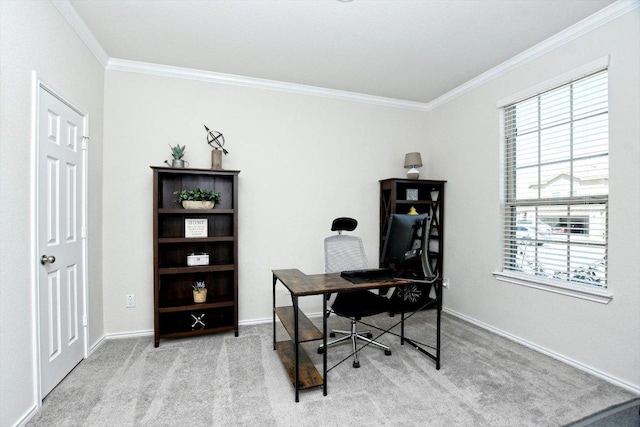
{"type": "Point", "coordinates": [47, 259]}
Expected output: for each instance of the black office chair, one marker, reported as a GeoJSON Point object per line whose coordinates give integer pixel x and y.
{"type": "Point", "coordinates": [346, 252]}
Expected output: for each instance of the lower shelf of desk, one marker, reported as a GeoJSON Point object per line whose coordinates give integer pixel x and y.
{"type": "Point", "coordinates": [308, 374]}
{"type": "Point", "coordinates": [307, 331]}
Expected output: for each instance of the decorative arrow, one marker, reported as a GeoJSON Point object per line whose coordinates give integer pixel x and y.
{"type": "Point", "coordinates": [215, 137]}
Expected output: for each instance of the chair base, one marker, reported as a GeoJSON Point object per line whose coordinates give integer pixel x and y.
{"type": "Point", "coordinates": [354, 336]}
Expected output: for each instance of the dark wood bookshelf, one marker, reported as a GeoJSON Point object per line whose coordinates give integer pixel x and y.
{"type": "Point", "coordinates": [428, 199]}
{"type": "Point", "coordinates": [175, 312]}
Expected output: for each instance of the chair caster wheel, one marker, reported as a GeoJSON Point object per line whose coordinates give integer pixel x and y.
{"type": "Point", "coordinates": [332, 334]}
{"type": "Point", "coordinates": [386, 352]}
{"type": "Point", "coordinates": [320, 350]}
{"type": "Point", "coordinates": [356, 364]}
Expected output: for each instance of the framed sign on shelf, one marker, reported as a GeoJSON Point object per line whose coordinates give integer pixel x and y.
{"type": "Point", "coordinates": [412, 194]}
{"type": "Point", "coordinates": [196, 227]}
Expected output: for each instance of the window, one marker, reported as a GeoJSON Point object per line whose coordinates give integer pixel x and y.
{"type": "Point", "coordinates": [557, 185]}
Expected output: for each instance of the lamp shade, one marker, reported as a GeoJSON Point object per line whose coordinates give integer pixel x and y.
{"type": "Point", "coordinates": [412, 160]}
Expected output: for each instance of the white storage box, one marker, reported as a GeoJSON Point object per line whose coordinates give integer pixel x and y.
{"type": "Point", "coordinates": [197, 259]}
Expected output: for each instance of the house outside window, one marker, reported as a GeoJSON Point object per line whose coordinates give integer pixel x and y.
{"type": "Point", "coordinates": [557, 185]}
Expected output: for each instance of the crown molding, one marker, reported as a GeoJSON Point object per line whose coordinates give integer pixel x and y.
{"type": "Point", "coordinates": [585, 26]}
{"type": "Point", "coordinates": [116, 64]}
{"type": "Point", "coordinates": [607, 14]}
{"type": "Point", "coordinates": [71, 16]}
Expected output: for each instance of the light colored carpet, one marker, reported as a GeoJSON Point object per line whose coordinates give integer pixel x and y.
{"type": "Point", "coordinates": [222, 380]}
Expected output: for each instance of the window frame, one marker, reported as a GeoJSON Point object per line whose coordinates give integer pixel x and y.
{"type": "Point", "coordinates": [584, 291]}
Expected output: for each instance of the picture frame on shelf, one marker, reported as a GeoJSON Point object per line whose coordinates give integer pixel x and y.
{"type": "Point", "coordinates": [412, 194]}
{"type": "Point", "coordinates": [196, 227]}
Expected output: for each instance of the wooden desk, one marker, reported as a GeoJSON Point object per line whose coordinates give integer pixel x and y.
{"type": "Point", "coordinates": [301, 370]}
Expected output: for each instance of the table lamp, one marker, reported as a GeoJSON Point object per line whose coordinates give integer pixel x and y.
{"type": "Point", "coordinates": [411, 162]}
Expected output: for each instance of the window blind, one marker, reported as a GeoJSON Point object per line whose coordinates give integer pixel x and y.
{"type": "Point", "coordinates": [557, 184]}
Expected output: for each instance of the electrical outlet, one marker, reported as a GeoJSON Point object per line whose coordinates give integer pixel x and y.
{"type": "Point", "coordinates": [131, 301]}
{"type": "Point", "coordinates": [445, 283]}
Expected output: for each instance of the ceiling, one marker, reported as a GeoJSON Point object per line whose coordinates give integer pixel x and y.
{"type": "Point", "coordinates": [412, 50]}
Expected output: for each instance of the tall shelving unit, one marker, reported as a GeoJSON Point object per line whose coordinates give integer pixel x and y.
{"type": "Point", "coordinates": [397, 196]}
{"type": "Point", "coordinates": [175, 313]}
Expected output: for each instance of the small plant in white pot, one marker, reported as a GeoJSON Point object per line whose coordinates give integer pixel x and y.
{"type": "Point", "coordinates": [199, 292]}
{"type": "Point", "coordinates": [198, 198]}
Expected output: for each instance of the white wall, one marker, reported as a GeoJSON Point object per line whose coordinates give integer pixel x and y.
{"type": "Point", "coordinates": [304, 160]}
{"type": "Point", "coordinates": [35, 37]}
{"type": "Point", "coordinates": [464, 135]}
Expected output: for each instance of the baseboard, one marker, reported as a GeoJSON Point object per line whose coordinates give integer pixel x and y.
{"type": "Point", "coordinates": [149, 332]}
{"type": "Point", "coordinates": [118, 335]}
{"type": "Point", "coordinates": [130, 334]}
{"type": "Point", "coordinates": [616, 381]}
{"type": "Point", "coordinates": [264, 320]}
{"type": "Point", "coordinates": [255, 321]}
{"type": "Point", "coordinates": [96, 345]}
{"type": "Point", "coordinates": [27, 417]}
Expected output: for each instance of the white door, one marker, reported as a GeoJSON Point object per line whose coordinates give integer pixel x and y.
{"type": "Point", "coordinates": [60, 223]}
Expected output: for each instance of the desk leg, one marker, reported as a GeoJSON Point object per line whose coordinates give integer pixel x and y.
{"type": "Point", "coordinates": [402, 318]}
{"type": "Point", "coordinates": [439, 312]}
{"type": "Point", "coordinates": [324, 344]}
{"type": "Point", "coordinates": [275, 279]}
{"type": "Point", "coordinates": [296, 343]}
{"type": "Point", "coordinates": [419, 346]}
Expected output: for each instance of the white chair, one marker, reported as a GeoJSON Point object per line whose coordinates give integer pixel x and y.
{"type": "Point", "coordinates": [346, 252]}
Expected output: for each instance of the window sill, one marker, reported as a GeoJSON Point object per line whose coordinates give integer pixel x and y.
{"type": "Point", "coordinates": [602, 296]}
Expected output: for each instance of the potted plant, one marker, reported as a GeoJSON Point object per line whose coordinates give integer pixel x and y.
{"type": "Point", "coordinates": [199, 292]}
{"type": "Point", "coordinates": [197, 198]}
{"type": "Point", "coordinates": [177, 152]}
